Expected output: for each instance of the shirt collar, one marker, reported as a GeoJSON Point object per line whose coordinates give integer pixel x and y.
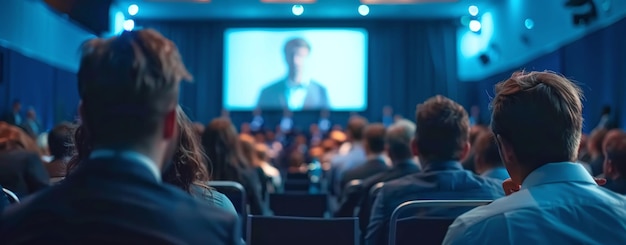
{"type": "Point", "coordinates": [129, 155]}
{"type": "Point", "coordinates": [442, 166]}
{"type": "Point", "coordinates": [492, 170]}
{"type": "Point", "coordinates": [557, 172]}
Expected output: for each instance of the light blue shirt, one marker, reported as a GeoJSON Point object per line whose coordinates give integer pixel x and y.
{"type": "Point", "coordinates": [499, 173]}
{"type": "Point", "coordinates": [559, 203]}
{"type": "Point", "coordinates": [296, 94]}
{"type": "Point", "coordinates": [132, 156]}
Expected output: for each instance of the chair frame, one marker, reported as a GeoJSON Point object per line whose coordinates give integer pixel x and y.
{"type": "Point", "coordinates": [222, 183]}
{"type": "Point", "coordinates": [393, 221]}
{"type": "Point", "coordinates": [357, 230]}
{"type": "Point", "coordinates": [11, 195]}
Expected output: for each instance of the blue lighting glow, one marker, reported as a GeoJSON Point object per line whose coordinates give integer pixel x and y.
{"type": "Point", "coordinates": [475, 25]}
{"type": "Point", "coordinates": [364, 10]}
{"type": "Point", "coordinates": [473, 10]}
{"type": "Point", "coordinates": [133, 9]}
{"type": "Point", "coordinates": [129, 25]}
{"type": "Point", "coordinates": [529, 23]}
{"type": "Point", "coordinates": [297, 10]}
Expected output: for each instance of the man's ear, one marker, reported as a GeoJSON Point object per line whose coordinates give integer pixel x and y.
{"type": "Point", "coordinates": [169, 125]}
{"type": "Point", "coordinates": [414, 148]}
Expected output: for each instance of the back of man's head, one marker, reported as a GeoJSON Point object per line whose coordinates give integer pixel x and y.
{"type": "Point", "coordinates": [128, 84]}
{"type": "Point", "coordinates": [60, 141]}
{"type": "Point", "coordinates": [442, 132]}
{"type": "Point", "coordinates": [616, 159]}
{"type": "Point", "coordinates": [486, 152]}
{"type": "Point", "coordinates": [374, 138]}
{"type": "Point", "coordinates": [398, 140]}
{"type": "Point", "coordinates": [539, 115]}
{"type": "Point", "coordinates": [355, 127]}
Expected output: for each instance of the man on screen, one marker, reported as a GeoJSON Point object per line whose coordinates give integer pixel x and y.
{"type": "Point", "coordinates": [296, 91]}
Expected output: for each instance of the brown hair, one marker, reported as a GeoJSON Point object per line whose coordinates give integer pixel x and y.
{"type": "Point", "coordinates": [355, 127]}
{"type": "Point", "coordinates": [127, 84]}
{"type": "Point", "coordinates": [486, 148]}
{"type": "Point", "coordinates": [14, 138]}
{"type": "Point", "coordinates": [442, 129]}
{"type": "Point", "coordinates": [221, 143]}
{"type": "Point", "coordinates": [540, 115]}
{"type": "Point", "coordinates": [611, 138]}
{"type": "Point", "coordinates": [248, 149]}
{"type": "Point", "coordinates": [616, 153]}
{"type": "Point", "coordinates": [375, 137]}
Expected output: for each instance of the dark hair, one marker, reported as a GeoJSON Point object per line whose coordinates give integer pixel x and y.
{"type": "Point", "coordinates": [398, 140]}
{"type": "Point", "coordinates": [375, 137]}
{"type": "Point", "coordinates": [355, 127]}
{"type": "Point", "coordinates": [442, 129]}
{"type": "Point", "coordinates": [486, 147]}
{"type": "Point", "coordinates": [60, 141]}
{"type": "Point", "coordinates": [616, 153]}
{"type": "Point", "coordinates": [190, 166]}
{"type": "Point", "coordinates": [540, 115]}
{"type": "Point", "coordinates": [128, 84]}
{"type": "Point", "coordinates": [296, 43]}
{"type": "Point", "coordinates": [221, 143]}
{"type": "Point", "coordinates": [596, 141]}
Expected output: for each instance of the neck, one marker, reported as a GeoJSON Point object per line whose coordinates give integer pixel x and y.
{"type": "Point", "coordinates": [295, 77]}
{"type": "Point", "coordinates": [147, 150]}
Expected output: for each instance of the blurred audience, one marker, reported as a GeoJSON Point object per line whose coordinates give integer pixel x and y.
{"type": "Point", "coordinates": [352, 158]}
{"type": "Point", "coordinates": [374, 144]}
{"type": "Point", "coordinates": [61, 150]}
{"type": "Point", "coordinates": [13, 116]}
{"type": "Point", "coordinates": [615, 163]}
{"type": "Point", "coordinates": [31, 124]}
{"type": "Point", "coordinates": [487, 157]}
{"type": "Point", "coordinates": [549, 189]}
{"type": "Point", "coordinates": [595, 150]}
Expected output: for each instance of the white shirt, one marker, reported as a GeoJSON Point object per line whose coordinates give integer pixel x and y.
{"type": "Point", "coordinates": [296, 94]}
{"type": "Point", "coordinates": [132, 156]}
{"type": "Point", "coordinates": [559, 203]}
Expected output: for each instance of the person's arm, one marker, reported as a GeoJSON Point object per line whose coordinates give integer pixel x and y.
{"type": "Point", "coordinates": [35, 175]}
{"type": "Point", "coordinates": [494, 230]}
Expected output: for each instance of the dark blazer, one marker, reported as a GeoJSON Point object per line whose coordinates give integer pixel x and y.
{"type": "Point", "coordinates": [22, 172]}
{"type": "Point", "coordinates": [116, 201]}
{"type": "Point", "coordinates": [438, 181]}
{"type": "Point", "coordinates": [275, 97]}
{"type": "Point", "coordinates": [9, 117]}
{"type": "Point", "coordinates": [363, 171]}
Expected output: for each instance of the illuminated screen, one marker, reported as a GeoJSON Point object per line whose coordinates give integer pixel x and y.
{"type": "Point", "coordinates": [295, 69]}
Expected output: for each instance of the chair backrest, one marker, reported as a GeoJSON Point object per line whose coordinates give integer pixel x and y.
{"type": "Point", "coordinates": [235, 193]}
{"type": "Point", "coordinates": [299, 204]}
{"type": "Point", "coordinates": [264, 230]}
{"type": "Point", "coordinates": [297, 176]}
{"type": "Point", "coordinates": [11, 196]}
{"type": "Point", "coordinates": [374, 192]}
{"type": "Point", "coordinates": [297, 185]}
{"type": "Point", "coordinates": [436, 227]}
{"type": "Point", "coordinates": [354, 184]}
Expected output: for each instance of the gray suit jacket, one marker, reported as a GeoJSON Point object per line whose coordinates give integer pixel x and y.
{"type": "Point", "coordinates": [274, 96]}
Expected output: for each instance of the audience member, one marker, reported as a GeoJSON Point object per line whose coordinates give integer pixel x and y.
{"type": "Point", "coordinates": [594, 147]}
{"type": "Point", "coordinates": [116, 196]}
{"type": "Point", "coordinates": [221, 143]}
{"type": "Point", "coordinates": [249, 152]}
{"type": "Point", "coordinates": [374, 144]}
{"type": "Point", "coordinates": [615, 165]}
{"type": "Point", "coordinates": [555, 194]}
{"type": "Point", "coordinates": [269, 170]}
{"type": "Point", "coordinates": [441, 141]}
{"type": "Point", "coordinates": [31, 125]}
{"type": "Point", "coordinates": [13, 116]}
{"type": "Point", "coordinates": [324, 123]}
{"type": "Point", "coordinates": [61, 150]}
{"type": "Point", "coordinates": [475, 131]}
{"type": "Point", "coordinates": [257, 123]}
{"type": "Point", "coordinates": [352, 158]}
{"type": "Point", "coordinates": [21, 168]}
{"type": "Point", "coordinates": [487, 158]}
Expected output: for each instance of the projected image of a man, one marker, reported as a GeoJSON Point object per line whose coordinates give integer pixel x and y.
{"type": "Point", "coordinates": [297, 91]}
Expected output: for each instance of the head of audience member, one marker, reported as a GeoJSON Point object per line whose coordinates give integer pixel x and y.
{"type": "Point", "coordinates": [398, 141]}
{"type": "Point", "coordinates": [374, 139]}
{"type": "Point", "coordinates": [17, 106]}
{"type": "Point", "coordinates": [476, 131]}
{"type": "Point", "coordinates": [486, 155]}
{"type": "Point", "coordinates": [354, 130]}
{"type": "Point", "coordinates": [248, 150]}
{"type": "Point", "coordinates": [31, 113]}
{"type": "Point", "coordinates": [60, 142]}
{"type": "Point", "coordinates": [296, 54]}
{"type": "Point", "coordinates": [261, 151]}
{"type": "Point", "coordinates": [190, 166]}
{"type": "Point", "coordinates": [221, 143]}
{"type": "Point", "coordinates": [442, 131]}
{"type": "Point", "coordinates": [612, 136]}
{"type": "Point", "coordinates": [129, 88]}
{"type": "Point", "coordinates": [13, 138]}
{"type": "Point", "coordinates": [595, 143]}
{"type": "Point", "coordinates": [524, 144]}
{"type": "Point", "coordinates": [295, 161]}
{"type": "Point", "coordinates": [615, 159]}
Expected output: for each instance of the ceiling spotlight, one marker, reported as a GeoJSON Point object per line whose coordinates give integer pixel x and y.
{"type": "Point", "coordinates": [129, 25]}
{"type": "Point", "coordinates": [529, 24]}
{"type": "Point", "coordinates": [297, 10]}
{"type": "Point", "coordinates": [473, 10]}
{"type": "Point", "coordinates": [475, 25]}
{"type": "Point", "coordinates": [133, 9]}
{"type": "Point", "coordinates": [364, 10]}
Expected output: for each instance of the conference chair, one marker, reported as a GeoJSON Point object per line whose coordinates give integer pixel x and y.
{"type": "Point", "coordinates": [426, 230]}
{"type": "Point", "coordinates": [267, 230]}
{"type": "Point", "coordinates": [297, 176]}
{"type": "Point", "coordinates": [235, 193]}
{"type": "Point", "coordinates": [299, 204]}
{"type": "Point", "coordinates": [11, 196]}
{"type": "Point", "coordinates": [297, 186]}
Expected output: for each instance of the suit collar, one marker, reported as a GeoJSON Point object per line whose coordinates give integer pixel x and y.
{"type": "Point", "coordinates": [443, 166]}
{"type": "Point", "coordinates": [133, 157]}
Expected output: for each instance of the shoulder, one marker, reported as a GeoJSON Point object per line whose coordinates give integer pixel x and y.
{"type": "Point", "coordinates": [317, 85]}
{"type": "Point", "coordinates": [274, 87]}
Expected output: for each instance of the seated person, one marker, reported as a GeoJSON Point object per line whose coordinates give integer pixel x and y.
{"type": "Point", "coordinates": [129, 89]}
{"type": "Point", "coordinates": [374, 144]}
{"type": "Point", "coordinates": [61, 150]}
{"type": "Point", "coordinates": [441, 141]}
{"type": "Point", "coordinates": [556, 201]}
{"type": "Point", "coordinates": [487, 158]}
{"type": "Point", "coordinates": [615, 166]}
